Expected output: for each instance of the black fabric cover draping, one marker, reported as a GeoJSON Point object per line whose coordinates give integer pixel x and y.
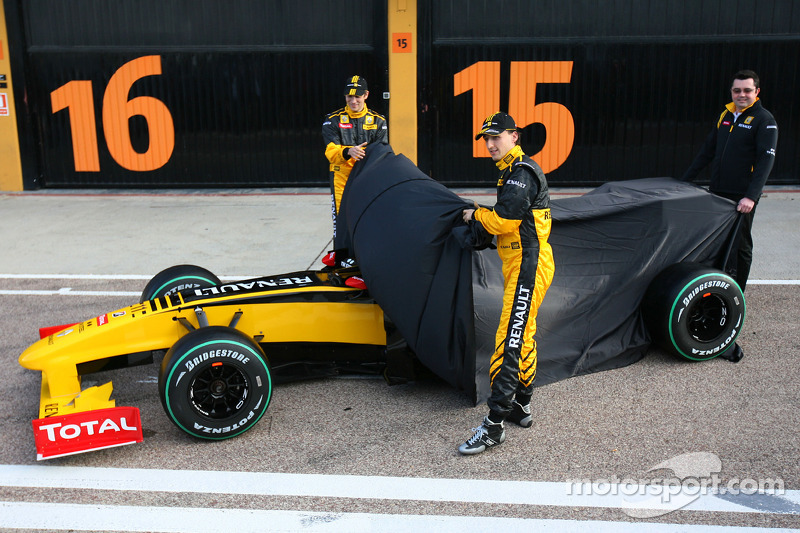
{"type": "Point", "coordinates": [405, 231]}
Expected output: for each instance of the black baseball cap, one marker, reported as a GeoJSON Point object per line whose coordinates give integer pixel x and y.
{"type": "Point", "coordinates": [355, 86]}
{"type": "Point", "coordinates": [496, 124]}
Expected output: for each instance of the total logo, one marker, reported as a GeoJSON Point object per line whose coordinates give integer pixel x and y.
{"type": "Point", "coordinates": [73, 431]}
{"type": "Point", "coordinates": [86, 431]}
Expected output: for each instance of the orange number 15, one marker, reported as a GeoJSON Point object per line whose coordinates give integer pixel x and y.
{"type": "Point", "coordinates": [117, 110]}
{"type": "Point", "coordinates": [483, 79]}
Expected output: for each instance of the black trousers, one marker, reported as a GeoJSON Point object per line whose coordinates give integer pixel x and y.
{"type": "Point", "coordinates": [738, 265]}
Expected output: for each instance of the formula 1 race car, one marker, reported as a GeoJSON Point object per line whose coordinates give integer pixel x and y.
{"type": "Point", "coordinates": [216, 378]}
{"type": "Point", "coordinates": [636, 262]}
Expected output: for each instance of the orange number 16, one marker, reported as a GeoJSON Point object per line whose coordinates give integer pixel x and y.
{"type": "Point", "coordinates": [117, 110]}
{"type": "Point", "coordinates": [483, 79]}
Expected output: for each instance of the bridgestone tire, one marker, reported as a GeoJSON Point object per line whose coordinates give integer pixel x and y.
{"type": "Point", "coordinates": [178, 278]}
{"type": "Point", "coordinates": [215, 383]}
{"type": "Point", "coordinates": [694, 312]}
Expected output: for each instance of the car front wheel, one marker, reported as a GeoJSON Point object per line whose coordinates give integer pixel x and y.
{"type": "Point", "coordinates": [215, 383]}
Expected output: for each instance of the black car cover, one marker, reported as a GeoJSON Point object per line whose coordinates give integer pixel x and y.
{"type": "Point", "coordinates": [405, 231]}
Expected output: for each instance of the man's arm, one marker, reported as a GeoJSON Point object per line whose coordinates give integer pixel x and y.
{"type": "Point", "coordinates": [494, 223]}
{"type": "Point", "coordinates": [383, 132]}
{"type": "Point", "coordinates": [335, 152]}
{"type": "Point", "coordinates": [766, 143]}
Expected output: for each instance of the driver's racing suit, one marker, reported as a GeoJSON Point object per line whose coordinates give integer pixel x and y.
{"type": "Point", "coordinates": [521, 221]}
{"type": "Point", "coordinates": [342, 130]}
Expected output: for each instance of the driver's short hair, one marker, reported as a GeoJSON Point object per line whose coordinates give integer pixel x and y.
{"type": "Point", "coordinates": [746, 75]}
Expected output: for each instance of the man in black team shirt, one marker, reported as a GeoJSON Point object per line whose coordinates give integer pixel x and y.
{"type": "Point", "coordinates": [741, 150]}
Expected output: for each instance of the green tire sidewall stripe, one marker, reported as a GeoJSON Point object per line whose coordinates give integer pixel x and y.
{"type": "Point", "coordinates": [200, 347]}
{"type": "Point", "coordinates": [675, 305]}
{"type": "Point", "coordinates": [182, 278]}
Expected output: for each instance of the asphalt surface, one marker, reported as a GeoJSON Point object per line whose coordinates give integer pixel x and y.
{"type": "Point", "coordinates": [72, 255]}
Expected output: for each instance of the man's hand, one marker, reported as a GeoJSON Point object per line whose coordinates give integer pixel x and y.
{"type": "Point", "coordinates": [467, 215]}
{"type": "Point", "coordinates": [357, 152]}
{"type": "Point", "coordinates": [745, 205]}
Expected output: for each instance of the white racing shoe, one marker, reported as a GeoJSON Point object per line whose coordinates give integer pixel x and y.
{"type": "Point", "coordinates": [486, 435]}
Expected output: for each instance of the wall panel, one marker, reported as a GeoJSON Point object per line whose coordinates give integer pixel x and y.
{"type": "Point", "coordinates": [648, 80]}
{"type": "Point", "coordinates": [246, 84]}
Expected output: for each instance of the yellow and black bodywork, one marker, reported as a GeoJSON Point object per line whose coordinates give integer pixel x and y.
{"type": "Point", "coordinates": [303, 324]}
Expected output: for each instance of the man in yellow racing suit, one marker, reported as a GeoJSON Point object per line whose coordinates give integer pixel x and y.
{"type": "Point", "coordinates": [521, 221]}
{"type": "Point", "coordinates": [346, 133]}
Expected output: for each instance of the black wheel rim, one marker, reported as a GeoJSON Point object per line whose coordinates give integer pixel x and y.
{"type": "Point", "coordinates": [707, 318]}
{"type": "Point", "coordinates": [219, 391]}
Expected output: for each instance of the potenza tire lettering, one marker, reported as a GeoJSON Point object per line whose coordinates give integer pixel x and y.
{"type": "Point", "coordinates": [215, 383]}
{"type": "Point", "coordinates": [694, 312]}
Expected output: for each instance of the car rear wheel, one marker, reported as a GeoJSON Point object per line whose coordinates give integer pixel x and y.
{"type": "Point", "coordinates": [694, 312]}
{"type": "Point", "coordinates": [178, 278]}
{"type": "Point", "coordinates": [215, 383]}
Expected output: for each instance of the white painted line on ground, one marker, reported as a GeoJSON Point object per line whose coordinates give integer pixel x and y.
{"type": "Point", "coordinates": [66, 291]}
{"type": "Point", "coordinates": [75, 276]}
{"type": "Point", "coordinates": [101, 276]}
{"type": "Point", "coordinates": [537, 493]}
{"type": "Point", "coordinates": [60, 516]}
